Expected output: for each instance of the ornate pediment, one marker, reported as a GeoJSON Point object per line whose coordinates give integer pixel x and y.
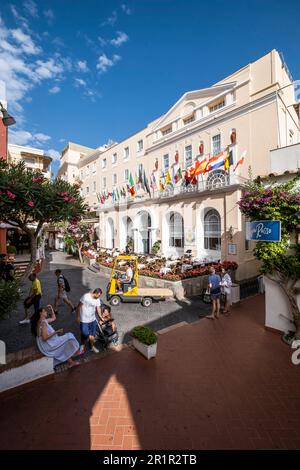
{"type": "Point", "coordinates": [191, 101]}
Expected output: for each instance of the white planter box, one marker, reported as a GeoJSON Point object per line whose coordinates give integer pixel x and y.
{"type": "Point", "coordinates": [144, 349]}
{"type": "Point", "coordinates": [235, 293]}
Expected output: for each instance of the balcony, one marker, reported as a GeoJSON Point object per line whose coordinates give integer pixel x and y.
{"type": "Point", "coordinates": [217, 181]}
{"type": "Point", "coordinates": [285, 159]}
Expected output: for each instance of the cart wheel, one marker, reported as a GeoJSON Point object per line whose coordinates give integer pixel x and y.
{"type": "Point", "coordinates": [147, 301]}
{"type": "Point", "coordinates": [115, 301]}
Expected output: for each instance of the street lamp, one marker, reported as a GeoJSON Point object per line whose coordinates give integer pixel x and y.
{"type": "Point", "coordinates": [7, 119]}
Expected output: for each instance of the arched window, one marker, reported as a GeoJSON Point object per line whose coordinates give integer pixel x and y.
{"type": "Point", "coordinates": [176, 230]}
{"type": "Point", "coordinates": [212, 230]}
{"type": "Point", "coordinates": [217, 179]}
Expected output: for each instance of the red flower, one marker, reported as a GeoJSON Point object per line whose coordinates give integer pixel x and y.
{"type": "Point", "coordinates": [10, 195]}
{"type": "Point", "coordinates": [31, 204]}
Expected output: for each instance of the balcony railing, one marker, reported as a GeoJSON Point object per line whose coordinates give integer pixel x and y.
{"type": "Point", "coordinates": [219, 181]}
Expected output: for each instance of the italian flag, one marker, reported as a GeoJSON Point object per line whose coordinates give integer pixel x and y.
{"type": "Point", "coordinates": [131, 185]}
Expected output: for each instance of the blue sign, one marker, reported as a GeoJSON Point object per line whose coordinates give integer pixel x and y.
{"type": "Point", "coordinates": [264, 230]}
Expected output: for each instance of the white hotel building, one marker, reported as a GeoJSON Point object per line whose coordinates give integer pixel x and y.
{"type": "Point", "coordinates": [252, 112]}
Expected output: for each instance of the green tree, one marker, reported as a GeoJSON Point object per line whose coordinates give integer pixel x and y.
{"type": "Point", "coordinates": [280, 260]}
{"type": "Point", "coordinates": [28, 200]}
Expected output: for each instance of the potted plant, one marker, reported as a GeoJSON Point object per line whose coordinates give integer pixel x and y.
{"type": "Point", "coordinates": [144, 341]}
{"type": "Point", "coordinates": [156, 247]}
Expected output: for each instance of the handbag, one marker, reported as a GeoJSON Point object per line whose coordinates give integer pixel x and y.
{"type": "Point", "coordinates": [206, 296]}
{"type": "Point", "coordinates": [223, 298]}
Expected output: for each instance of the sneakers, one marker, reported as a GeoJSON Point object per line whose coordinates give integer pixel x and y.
{"type": "Point", "coordinates": [82, 349]}
{"type": "Point", "coordinates": [95, 350]}
{"type": "Point", "coordinates": [24, 322]}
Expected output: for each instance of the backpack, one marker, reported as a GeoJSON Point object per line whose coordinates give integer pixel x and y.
{"type": "Point", "coordinates": [67, 285]}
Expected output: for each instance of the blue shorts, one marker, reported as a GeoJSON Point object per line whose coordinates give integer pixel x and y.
{"type": "Point", "coordinates": [88, 329]}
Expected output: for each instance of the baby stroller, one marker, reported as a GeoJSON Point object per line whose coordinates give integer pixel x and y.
{"type": "Point", "coordinates": [104, 333]}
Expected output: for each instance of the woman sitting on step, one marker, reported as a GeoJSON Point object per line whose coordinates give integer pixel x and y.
{"type": "Point", "coordinates": [50, 343]}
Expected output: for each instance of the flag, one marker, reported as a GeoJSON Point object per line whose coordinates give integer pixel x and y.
{"type": "Point", "coordinates": [131, 185]}
{"type": "Point", "coordinates": [117, 194]}
{"type": "Point", "coordinates": [226, 161]}
{"type": "Point", "coordinates": [240, 161]}
{"type": "Point", "coordinates": [178, 175]}
{"type": "Point", "coordinates": [146, 184]}
{"type": "Point", "coordinates": [153, 182]}
{"type": "Point", "coordinates": [216, 161]}
{"type": "Point", "coordinates": [201, 167]}
{"type": "Point", "coordinates": [136, 178]}
{"type": "Point", "coordinates": [161, 183]}
{"type": "Point", "coordinates": [168, 178]}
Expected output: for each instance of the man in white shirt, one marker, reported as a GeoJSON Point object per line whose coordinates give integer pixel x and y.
{"type": "Point", "coordinates": [128, 277]}
{"type": "Point", "coordinates": [86, 317]}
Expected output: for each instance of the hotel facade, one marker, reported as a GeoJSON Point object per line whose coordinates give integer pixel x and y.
{"type": "Point", "coordinates": [246, 115]}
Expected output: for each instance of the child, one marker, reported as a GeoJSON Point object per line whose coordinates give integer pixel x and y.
{"type": "Point", "coordinates": [106, 321]}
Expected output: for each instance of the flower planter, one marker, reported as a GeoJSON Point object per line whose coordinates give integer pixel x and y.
{"type": "Point", "coordinates": [147, 351]}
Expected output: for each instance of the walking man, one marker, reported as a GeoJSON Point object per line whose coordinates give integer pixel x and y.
{"type": "Point", "coordinates": [34, 298]}
{"type": "Point", "coordinates": [86, 317]}
{"type": "Point", "coordinates": [62, 289]}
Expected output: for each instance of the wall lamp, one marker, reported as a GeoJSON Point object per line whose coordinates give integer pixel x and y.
{"type": "Point", "coordinates": [7, 119]}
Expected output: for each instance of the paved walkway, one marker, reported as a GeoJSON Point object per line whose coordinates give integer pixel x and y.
{"type": "Point", "coordinates": [82, 279]}
{"type": "Point", "coordinates": [222, 384]}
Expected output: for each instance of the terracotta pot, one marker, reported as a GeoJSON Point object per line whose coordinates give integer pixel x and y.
{"type": "Point", "coordinates": [176, 157]}
{"type": "Point", "coordinates": [201, 148]}
{"type": "Point", "coordinates": [233, 136]}
{"type": "Point", "coordinates": [156, 164]}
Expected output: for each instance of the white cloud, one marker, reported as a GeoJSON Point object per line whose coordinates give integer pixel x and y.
{"type": "Point", "coordinates": [19, 137]}
{"type": "Point", "coordinates": [120, 39]}
{"type": "Point", "coordinates": [126, 9]}
{"type": "Point", "coordinates": [49, 15]}
{"type": "Point", "coordinates": [53, 154]}
{"type": "Point", "coordinates": [57, 41]}
{"type": "Point", "coordinates": [19, 18]}
{"type": "Point", "coordinates": [82, 66]}
{"type": "Point", "coordinates": [104, 62]}
{"type": "Point", "coordinates": [31, 8]}
{"type": "Point", "coordinates": [48, 69]}
{"type": "Point", "coordinates": [79, 82]}
{"type": "Point", "coordinates": [103, 41]}
{"type": "Point", "coordinates": [22, 137]}
{"type": "Point", "coordinates": [54, 90]}
{"type": "Point", "coordinates": [40, 137]}
{"type": "Point", "coordinates": [62, 140]}
{"type": "Point", "coordinates": [111, 20]}
{"type": "Point", "coordinates": [25, 41]}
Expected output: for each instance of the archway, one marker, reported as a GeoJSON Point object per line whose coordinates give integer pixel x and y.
{"type": "Point", "coordinates": [110, 230]}
{"type": "Point", "coordinates": [143, 242]}
{"type": "Point", "coordinates": [127, 233]}
{"type": "Point", "coordinates": [175, 233]}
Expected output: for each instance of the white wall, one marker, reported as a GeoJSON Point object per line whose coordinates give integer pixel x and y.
{"type": "Point", "coordinates": [277, 307]}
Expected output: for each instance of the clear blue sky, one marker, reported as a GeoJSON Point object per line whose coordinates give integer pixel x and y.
{"type": "Point", "coordinates": [91, 70]}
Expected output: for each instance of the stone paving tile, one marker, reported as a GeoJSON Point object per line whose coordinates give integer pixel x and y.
{"type": "Point", "coordinates": [226, 385]}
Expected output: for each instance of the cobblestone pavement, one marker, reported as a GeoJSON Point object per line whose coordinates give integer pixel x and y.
{"type": "Point", "coordinates": [81, 279]}
{"type": "Point", "coordinates": [223, 384]}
